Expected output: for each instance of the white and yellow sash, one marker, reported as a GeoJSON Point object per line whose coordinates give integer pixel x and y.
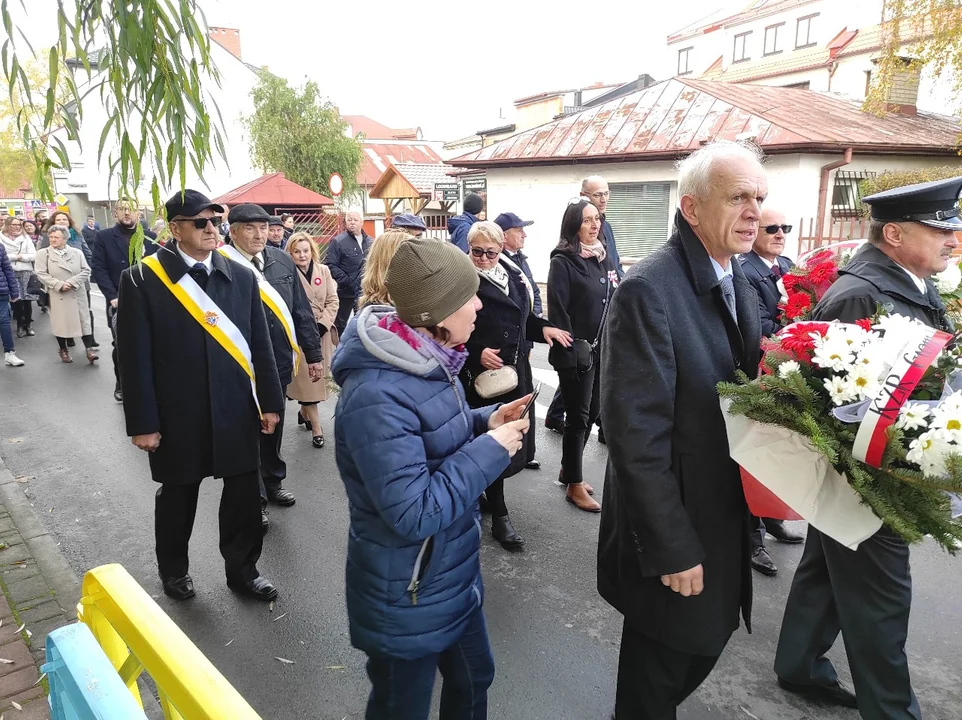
{"type": "Point", "coordinates": [214, 320]}
{"type": "Point", "coordinates": [270, 297]}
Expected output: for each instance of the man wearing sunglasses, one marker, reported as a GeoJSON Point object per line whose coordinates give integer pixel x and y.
{"type": "Point", "coordinates": [200, 388]}
{"type": "Point", "coordinates": [763, 267]}
{"type": "Point", "coordinates": [110, 258]}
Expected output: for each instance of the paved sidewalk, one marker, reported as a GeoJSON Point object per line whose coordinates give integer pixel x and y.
{"type": "Point", "coordinates": [39, 594]}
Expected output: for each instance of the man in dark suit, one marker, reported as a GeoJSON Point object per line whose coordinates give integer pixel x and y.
{"type": "Point", "coordinates": [763, 267]}
{"type": "Point", "coordinates": [248, 239]}
{"type": "Point", "coordinates": [866, 594]}
{"type": "Point", "coordinates": [673, 543]}
{"type": "Point", "coordinates": [110, 258]}
{"type": "Point", "coordinates": [197, 370]}
{"type": "Point", "coordinates": [345, 256]}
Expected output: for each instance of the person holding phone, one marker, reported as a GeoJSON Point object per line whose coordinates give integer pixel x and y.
{"type": "Point", "coordinates": [498, 369]}
{"type": "Point", "coordinates": [414, 458]}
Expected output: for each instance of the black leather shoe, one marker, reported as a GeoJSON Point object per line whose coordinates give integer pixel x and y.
{"type": "Point", "coordinates": [601, 436]}
{"type": "Point", "coordinates": [763, 563]}
{"type": "Point", "coordinates": [504, 532]}
{"type": "Point", "coordinates": [118, 393]}
{"type": "Point", "coordinates": [557, 426]}
{"type": "Point", "coordinates": [777, 529]}
{"type": "Point", "coordinates": [282, 497]}
{"type": "Point", "coordinates": [836, 694]}
{"type": "Point", "coordinates": [532, 465]}
{"type": "Point", "coordinates": [265, 522]}
{"type": "Point", "coordinates": [260, 588]}
{"type": "Point", "coordinates": [181, 588]}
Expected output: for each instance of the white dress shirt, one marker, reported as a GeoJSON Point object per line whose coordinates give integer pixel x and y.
{"type": "Point", "coordinates": [206, 262]}
{"type": "Point", "coordinates": [250, 258]}
{"type": "Point", "coordinates": [919, 282]}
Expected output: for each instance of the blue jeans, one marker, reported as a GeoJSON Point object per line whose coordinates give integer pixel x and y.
{"type": "Point", "coordinates": [401, 689]}
{"type": "Point", "coordinates": [6, 336]}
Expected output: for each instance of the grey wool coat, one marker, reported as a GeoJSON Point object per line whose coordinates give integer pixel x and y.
{"type": "Point", "coordinates": [673, 497]}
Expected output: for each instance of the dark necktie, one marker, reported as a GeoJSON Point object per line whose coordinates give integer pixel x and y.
{"type": "Point", "coordinates": [199, 273]}
{"type": "Point", "coordinates": [777, 270]}
{"type": "Point", "coordinates": [257, 263]}
{"type": "Point", "coordinates": [728, 293]}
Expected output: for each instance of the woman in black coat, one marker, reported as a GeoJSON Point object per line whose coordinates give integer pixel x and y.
{"type": "Point", "coordinates": [504, 325]}
{"type": "Point", "coordinates": [581, 281]}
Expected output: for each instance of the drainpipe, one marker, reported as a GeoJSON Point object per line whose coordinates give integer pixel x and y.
{"type": "Point", "coordinates": [823, 194]}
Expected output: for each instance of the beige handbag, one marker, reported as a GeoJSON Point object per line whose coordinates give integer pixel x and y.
{"type": "Point", "coordinates": [494, 383]}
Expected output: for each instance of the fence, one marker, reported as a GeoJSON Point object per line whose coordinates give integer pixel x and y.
{"type": "Point", "coordinates": [137, 636]}
{"type": "Point", "coordinates": [321, 226]}
{"type": "Point", "coordinates": [838, 230]}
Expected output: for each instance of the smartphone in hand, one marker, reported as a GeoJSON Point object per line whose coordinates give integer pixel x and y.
{"type": "Point", "coordinates": [527, 407]}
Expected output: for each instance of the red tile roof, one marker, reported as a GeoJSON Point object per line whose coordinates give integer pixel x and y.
{"type": "Point", "coordinates": [274, 189]}
{"type": "Point", "coordinates": [378, 156]}
{"type": "Point", "coordinates": [373, 130]}
{"type": "Point", "coordinates": [677, 116]}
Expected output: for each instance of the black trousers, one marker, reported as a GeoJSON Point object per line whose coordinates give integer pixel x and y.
{"type": "Point", "coordinates": [866, 594]}
{"type": "Point", "coordinates": [654, 679]}
{"type": "Point", "coordinates": [23, 313]}
{"type": "Point", "coordinates": [112, 323]}
{"type": "Point", "coordinates": [758, 527]}
{"type": "Point", "coordinates": [88, 341]}
{"type": "Point", "coordinates": [91, 309]}
{"type": "Point", "coordinates": [241, 536]}
{"type": "Point", "coordinates": [556, 410]}
{"type": "Point", "coordinates": [582, 402]}
{"type": "Point", "coordinates": [273, 467]}
{"type": "Point", "coordinates": [344, 310]}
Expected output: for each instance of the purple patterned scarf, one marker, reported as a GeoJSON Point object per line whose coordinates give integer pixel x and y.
{"type": "Point", "coordinates": [452, 359]}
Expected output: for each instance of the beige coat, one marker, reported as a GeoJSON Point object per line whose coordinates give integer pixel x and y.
{"type": "Point", "coordinates": [322, 293]}
{"type": "Point", "coordinates": [69, 311]}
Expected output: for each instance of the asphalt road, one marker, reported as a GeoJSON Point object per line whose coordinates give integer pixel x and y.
{"type": "Point", "coordinates": [555, 641]}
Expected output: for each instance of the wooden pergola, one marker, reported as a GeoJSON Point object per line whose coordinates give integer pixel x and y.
{"type": "Point", "coordinates": [412, 182]}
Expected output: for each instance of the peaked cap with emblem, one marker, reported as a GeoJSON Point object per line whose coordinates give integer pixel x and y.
{"type": "Point", "coordinates": [935, 204]}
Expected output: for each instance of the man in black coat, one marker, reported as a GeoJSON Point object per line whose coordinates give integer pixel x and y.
{"type": "Point", "coordinates": [110, 258]}
{"type": "Point", "coordinates": [196, 373]}
{"type": "Point", "coordinates": [248, 236]}
{"type": "Point", "coordinates": [867, 593]}
{"type": "Point", "coordinates": [763, 267]}
{"type": "Point", "coordinates": [673, 545]}
{"type": "Point", "coordinates": [346, 254]}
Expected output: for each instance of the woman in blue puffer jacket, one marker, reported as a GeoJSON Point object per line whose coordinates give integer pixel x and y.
{"type": "Point", "coordinates": [414, 458]}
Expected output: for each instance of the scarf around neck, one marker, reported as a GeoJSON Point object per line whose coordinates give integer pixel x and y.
{"type": "Point", "coordinates": [498, 277]}
{"type": "Point", "coordinates": [452, 359]}
{"type": "Point", "coordinates": [595, 250]}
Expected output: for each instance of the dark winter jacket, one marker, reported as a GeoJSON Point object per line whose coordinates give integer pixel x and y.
{"type": "Point", "coordinates": [458, 227]}
{"type": "Point", "coordinates": [414, 459]}
{"type": "Point", "coordinates": [759, 274]}
{"type": "Point", "coordinates": [608, 238]}
{"type": "Point", "coordinates": [578, 290]}
{"type": "Point", "coordinates": [521, 260]}
{"type": "Point", "coordinates": [871, 279]}
{"type": "Point", "coordinates": [90, 236]}
{"type": "Point", "coordinates": [110, 258]}
{"type": "Point", "coordinates": [346, 261]}
{"type": "Point", "coordinates": [673, 496]}
{"type": "Point", "coordinates": [9, 287]}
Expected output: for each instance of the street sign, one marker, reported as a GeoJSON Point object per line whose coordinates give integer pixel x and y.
{"type": "Point", "coordinates": [61, 199]}
{"type": "Point", "coordinates": [336, 184]}
{"type": "Point", "coordinates": [475, 185]}
{"type": "Point", "coordinates": [447, 191]}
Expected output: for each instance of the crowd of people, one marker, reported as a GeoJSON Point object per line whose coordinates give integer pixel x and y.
{"type": "Point", "coordinates": [429, 343]}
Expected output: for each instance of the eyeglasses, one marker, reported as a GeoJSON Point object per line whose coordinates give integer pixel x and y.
{"type": "Point", "coordinates": [489, 254]}
{"type": "Point", "coordinates": [772, 229]}
{"type": "Point", "coordinates": [201, 223]}
{"type": "Point", "coordinates": [598, 195]}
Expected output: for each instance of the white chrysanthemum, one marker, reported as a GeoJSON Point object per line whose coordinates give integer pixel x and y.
{"type": "Point", "coordinates": [895, 324]}
{"type": "Point", "coordinates": [949, 279]}
{"type": "Point", "coordinates": [913, 416]}
{"type": "Point", "coordinates": [833, 354]}
{"type": "Point", "coordinates": [838, 389]}
{"type": "Point", "coordinates": [952, 403]}
{"type": "Point", "coordinates": [947, 422]}
{"type": "Point", "coordinates": [863, 382]}
{"type": "Point", "coordinates": [929, 451]}
{"type": "Point", "coordinates": [854, 336]}
{"type": "Point", "coordinates": [787, 368]}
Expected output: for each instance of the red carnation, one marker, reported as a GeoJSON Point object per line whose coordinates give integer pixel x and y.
{"type": "Point", "coordinates": [823, 256]}
{"type": "Point", "coordinates": [865, 324]}
{"type": "Point", "coordinates": [790, 282]}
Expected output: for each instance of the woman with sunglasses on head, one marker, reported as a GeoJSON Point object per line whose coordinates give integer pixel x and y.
{"type": "Point", "coordinates": [22, 254]}
{"type": "Point", "coordinates": [497, 369]}
{"type": "Point", "coordinates": [581, 280]}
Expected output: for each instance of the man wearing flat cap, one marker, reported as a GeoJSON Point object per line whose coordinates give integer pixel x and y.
{"type": "Point", "coordinates": [291, 323]}
{"type": "Point", "coordinates": [409, 223]}
{"type": "Point", "coordinates": [276, 237]}
{"type": "Point", "coordinates": [867, 593]}
{"type": "Point", "coordinates": [200, 387]}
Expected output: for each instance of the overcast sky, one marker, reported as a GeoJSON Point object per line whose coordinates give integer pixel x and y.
{"type": "Point", "coordinates": [450, 66]}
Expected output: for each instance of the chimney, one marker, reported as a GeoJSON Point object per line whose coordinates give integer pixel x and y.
{"type": "Point", "coordinates": [903, 94]}
{"type": "Point", "coordinates": [227, 38]}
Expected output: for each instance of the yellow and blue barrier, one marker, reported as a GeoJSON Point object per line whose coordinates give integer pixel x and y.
{"type": "Point", "coordinates": [137, 636]}
{"type": "Point", "coordinates": [83, 683]}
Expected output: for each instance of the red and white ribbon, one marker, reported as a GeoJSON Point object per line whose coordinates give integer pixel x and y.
{"type": "Point", "coordinates": [922, 347]}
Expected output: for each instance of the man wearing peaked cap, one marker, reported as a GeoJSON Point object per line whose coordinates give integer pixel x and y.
{"type": "Point", "coordinates": [189, 399]}
{"type": "Point", "coordinates": [867, 594]}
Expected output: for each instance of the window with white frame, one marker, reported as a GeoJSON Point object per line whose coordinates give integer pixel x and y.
{"type": "Point", "coordinates": [684, 60]}
{"type": "Point", "coordinates": [740, 53]}
{"type": "Point", "coordinates": [804, 32]}
{"type": "Point", "coordinates": [771, 39]}
{"type": "Point", "coordinates": [640, 215]}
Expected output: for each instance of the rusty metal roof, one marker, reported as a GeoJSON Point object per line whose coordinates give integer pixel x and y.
{"type": "Point", "coordinates": [677, 116]}
{"type": "Point", "coordinates": [378, 156]}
